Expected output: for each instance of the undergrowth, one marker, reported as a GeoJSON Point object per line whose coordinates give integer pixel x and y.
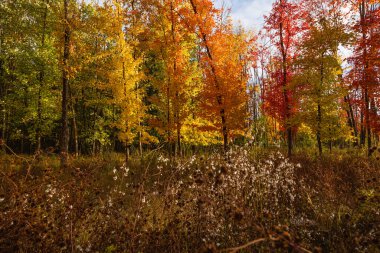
{"type": "Point", "coordinates": [203, 203]}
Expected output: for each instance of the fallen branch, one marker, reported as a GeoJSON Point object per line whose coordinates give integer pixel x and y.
{"type": "Point", "coordinates": [28, 162]}
{"type": "Point", "coordinates": [236, 249]}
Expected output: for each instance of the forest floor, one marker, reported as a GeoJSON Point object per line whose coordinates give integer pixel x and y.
{"type": "Point", "coordinates": [255, 200]}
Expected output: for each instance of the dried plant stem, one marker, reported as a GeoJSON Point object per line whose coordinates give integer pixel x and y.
{"type": "Point", "coordinates": [236, 249]}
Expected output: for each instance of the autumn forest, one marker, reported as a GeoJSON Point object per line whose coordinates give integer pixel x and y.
{"type": "Point", "coordinates": [169, 126]}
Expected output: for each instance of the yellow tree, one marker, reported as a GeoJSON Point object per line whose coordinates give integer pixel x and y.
{"type": "Point", "coordinates": [318, 82]}
{"type": "Point", "coordinates": [124, 76]}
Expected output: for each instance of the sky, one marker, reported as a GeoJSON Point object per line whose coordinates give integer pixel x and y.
{"type": "Point", "coordinates": [248, 12]}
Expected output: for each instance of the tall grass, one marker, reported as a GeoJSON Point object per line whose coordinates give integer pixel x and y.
{"type": "Point", "coordinates": [250, 200]}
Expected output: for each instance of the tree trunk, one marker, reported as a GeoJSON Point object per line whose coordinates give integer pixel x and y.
{"type": "Point", "coordinates": [285, 93]}
{"type": "Point", "coordinates": [41, 85]}
{"type": "Point", "coordinates": [168, 119]}
{"type": "Point", "coordinates": [39, 114]}
{"type": "Point", "coordinates": [177, 149]}
{"type": "Point", "coordinates": [362, 128]}
{"type": "Point", "coordinates": [224, 130]}
{"type": "Point", "coordinates": [140, 144]}
{"type": "Point", "coordinates": [24, 126]}
{"type": "Point", "coordinates": [127, 154]}
{"type": "Point", "coordinates": [74, 123]}
{"type": "Point", "coordinates": [126, 123]}
{"type": "Point", "coordinates": [75, 132]}
{"type": "Point", "coordinates": [366, 98]}
{"type": "Point", "coordinates": [330, 140]}
{"type": "Point", "coordinates": [65, 82]}
{"type": "Point", "coordinates": [319, 109]}
{"type": "Point", "coordinates": [179, 140]}
{"type": "Point", "coordinates": [367, 120]}
{"type": "Point", "coordinates": [330, 146]}
{"type": "Point", "coordinates": [3, 94]}
{"type": "Point", "coordinates": [351, 118]}
{"type": "Point", "coordinates": [319, 120]}
{"type": "Point", "coordinates": [219, 98]}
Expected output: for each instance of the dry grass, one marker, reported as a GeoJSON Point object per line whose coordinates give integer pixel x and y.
{"type": "Point", "coordinates": [203, 203]}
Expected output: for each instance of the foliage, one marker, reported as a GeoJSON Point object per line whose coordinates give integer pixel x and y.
{"type": "Point", "coordinates": [318, 84]}
{"type": "Point", "coordinates": [175, 81]}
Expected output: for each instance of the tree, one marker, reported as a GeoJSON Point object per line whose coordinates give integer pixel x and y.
{"type": "Point", "coordinates": [28, 72]}
{"type": "Point", "coordinates": [318, 79]}
{"type": "Point", "coordinates": [365, 72]}
{"type": "Point", "coordinates": [176, 80]}
{"type": "Point", "coordinates": [123, 80]}
{"type": "Point", "coordinates": [223, 60]}
{"type": "Point", "coordinates": [284, 27]}
{"type": "Point", "coordinates": [64, 144]}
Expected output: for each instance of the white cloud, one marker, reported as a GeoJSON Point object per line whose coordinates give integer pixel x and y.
{"type": "Point", "coordinates": [250, 13]}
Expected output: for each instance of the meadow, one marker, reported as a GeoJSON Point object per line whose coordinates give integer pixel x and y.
{"type": "Point", "coordinates": [252, 200]}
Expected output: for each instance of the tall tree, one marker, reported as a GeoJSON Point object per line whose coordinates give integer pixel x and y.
{"type": "Point", "coordinates": [178, 84]}
{"type": "Point", "coordinates": [28, 111]}
{"type": "Point", "coordinates": [41, 78]}
{"type": "Point", "coordinates": [318, 75]}
{"type": "Point", "coordinates": [124, 80]}
{"type": "Point", "coordinates": [284, 27]}
{"type": "Point", "coordinates": [223, 62]}
{"type": "Point", "coordinates": [64, 144]}
{"type": "Point", "coordinates": [365, 72]}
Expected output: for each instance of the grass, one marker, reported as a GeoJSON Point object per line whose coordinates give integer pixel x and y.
{"type": "Point", "coordinates": [255, 200]}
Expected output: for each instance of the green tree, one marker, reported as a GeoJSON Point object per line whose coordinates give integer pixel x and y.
{"type": "Point", "coordinates": [318, 82]}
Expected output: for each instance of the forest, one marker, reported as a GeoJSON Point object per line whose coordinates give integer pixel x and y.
{"type": "Point", "coordinates": [169, 126]}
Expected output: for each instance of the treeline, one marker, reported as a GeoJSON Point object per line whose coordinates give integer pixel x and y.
{"type": "Point", "coordinates": [85, 77]}
{"type": "Point", "coordinates": [313, 92]}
